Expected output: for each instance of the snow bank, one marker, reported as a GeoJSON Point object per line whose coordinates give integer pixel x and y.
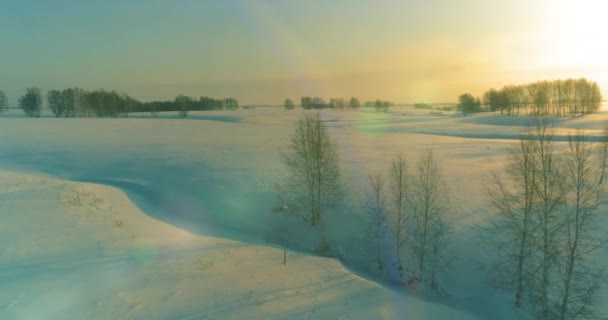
{"type": "Point", "coordinates": [84, 251]}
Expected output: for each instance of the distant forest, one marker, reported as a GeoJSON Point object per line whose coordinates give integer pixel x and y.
{"type": "Point", "coordinates": [546, 98]}
{"type": "Point", "coordinates": [541, 98]}
{"type": "Point", "coordinates": [337, 103]}
{"type": "Point", "coordinates": [76, 102]}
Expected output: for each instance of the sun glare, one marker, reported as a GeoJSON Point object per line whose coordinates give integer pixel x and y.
{"type": "Point", "coordinates": [574, 35]}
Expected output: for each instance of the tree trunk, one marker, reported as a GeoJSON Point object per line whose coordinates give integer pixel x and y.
{"type": "Point", "coordinates": [520, 267]}
{"type": "Point", "coordinates": [603, 168]}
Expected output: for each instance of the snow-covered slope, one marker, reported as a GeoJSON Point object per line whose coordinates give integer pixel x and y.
{"type": "Point", "coordinates": [84, 251]}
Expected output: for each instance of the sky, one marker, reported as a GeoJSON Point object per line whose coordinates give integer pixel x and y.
{"type": "Point", "coordinates": [263, 51]}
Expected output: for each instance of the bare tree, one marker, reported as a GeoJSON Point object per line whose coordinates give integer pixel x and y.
{"type": "Point", "coordinates": [311, 158]}
{"type": "Point", "coordinates": [546, 211]}
{"type": "Point", "coordinates": [439, 245]}
{"type": "Point", "coordinates": [514, 200]}
{"type": "Point", "coordinates": [375, 203]}
{"type": "Point", "coordinates": [549, 197]}
{"type": "Point", "coordinates": [429, 229]}
{"type": "Point", "coordinates": [578, 240]}
{"type": "Point", "coordinates": [399, 192]}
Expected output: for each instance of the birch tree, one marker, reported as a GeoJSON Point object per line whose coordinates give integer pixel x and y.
{"type": "Point", "coordinates": [514, 200]}
{"type": "Point", "coordinates": [429, 228]}
{"type": "Point", "coordinates": [578, 240]}
{"type": "Point", "coordinates": [399, 180]}
{"type": "Point", "coordinates": [549, 197]}
{"type": "Point", "coordinates": [313, 180]}
{"type": "Point", "coordinates": [375, 203]}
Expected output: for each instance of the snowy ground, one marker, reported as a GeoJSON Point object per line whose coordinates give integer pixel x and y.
{"type": "Point", "coordinates": [213, 175]}
{"type": "Point", "coordinates": [84, 251]}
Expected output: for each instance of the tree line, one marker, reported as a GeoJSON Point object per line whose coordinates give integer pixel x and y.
{"type": "Point", "coordinates": [353, 103]}
{"type": "Point", "coordinates": [77, 102]}
{"type": "Point", "coordinates": [182, 104]}
{"type": "Point", "coordinates": [546, 98]}
{"type": "Point", "coordinates": [542, 98]}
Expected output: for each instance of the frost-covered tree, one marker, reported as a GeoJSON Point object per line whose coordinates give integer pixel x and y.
{"type": "Point", "coordinates": [548, 192]}
{"type": "Point", "coordinates": [3, 102]}
{"type": "Point", "coordinates": [514, 199]}
{"type": "Point", "coordinates": [578, 238]}
{"type": "Point", "coordinates": [375, 205]}
{"type": "Point", "coordinates": [547, 204]}
{"type": "Point", "coordinates": [313, 180]}
{"type": "Point", "coordinates": [31, 102]}
{"type": "Point", "coordinates": [399, 181]}
{"type": "Point", "coordinates": [429, 229]}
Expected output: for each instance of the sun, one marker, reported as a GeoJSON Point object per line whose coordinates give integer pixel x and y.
{"type": "Point", "coordinates": [574, 35]}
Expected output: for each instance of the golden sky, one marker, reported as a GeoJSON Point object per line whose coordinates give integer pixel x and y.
{"type": "Point", "coordinates": [264, 51]}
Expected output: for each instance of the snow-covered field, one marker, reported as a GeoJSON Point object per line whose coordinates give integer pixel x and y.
{"type": "Point", "coordinates": [179, 220]}
{"type": "Point", "coordinates": [84, 251]}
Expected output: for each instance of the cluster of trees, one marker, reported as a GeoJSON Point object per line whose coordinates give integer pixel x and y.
{"type": "Point", "coordinates": [545, 232]}
{"type": "Point", "coordinates": [468, 104]}
{"type": "Point", "coordinates": [182, 104]}
{"type": "Point", "coordinates": [379, 105]}
{"type": "Point", "coordinates": [336, 103]}
{"type": "Point", "coordinates": [544, 229]}
{"type": "Point", "coordinates": [409, 207]}
{"type": "Point", "coordinates": [3, 102]}
{"type": "Point", "coordinates": [546, 98]}
{"type": "Point", "coordinates": [320, 103]}
{"type": "Point", "coordinates": [77, 102]}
